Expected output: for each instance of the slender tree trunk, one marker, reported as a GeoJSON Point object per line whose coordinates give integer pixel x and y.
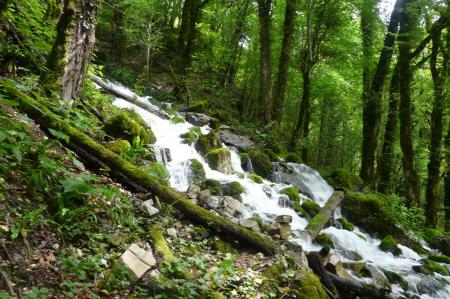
{"type": "Point", "coordinates": [231, 56]}
{"type": "Point", "coordinates": [265, 87]}
{"type": "Point", "coordinates": [407, 26]}
{"type": "Point", "coordinates": [372, 94]}
{"type": "Point", "coordinates": [72, 50]}
{"type": "Point", "coordinates": [390, 133]}
{"type": "Point", "coordinates": [434, 164]}
{"type": "Point", "coordinates": [281, 80]}
{"type": "Point", "coordinates": [447, 182]}
{"type": "Point", "coordinates": [303, 116]}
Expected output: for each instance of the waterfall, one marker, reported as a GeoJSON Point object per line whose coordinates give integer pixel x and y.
{"type": "Point", "coordinates": [276, 172]}
{"type": "Point", "coordinates": [266, 201]}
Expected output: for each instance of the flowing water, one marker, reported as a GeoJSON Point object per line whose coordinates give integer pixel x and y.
{"type": "Point", "coordinates": [264, 200]}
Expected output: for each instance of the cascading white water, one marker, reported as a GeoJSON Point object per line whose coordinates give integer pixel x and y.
{"type": "Point", "coordinates": [264, 200]}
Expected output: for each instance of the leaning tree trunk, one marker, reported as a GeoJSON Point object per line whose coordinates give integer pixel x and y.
{"type": "Point", "coordinates": [279, 90]}
{"type": "Point", "coordinates": [434, 163]}
{"type": "Point", "coordinates": [386, 163]}
{"type": "Point", "coordinates": [265, 85]}
{"type": "Point", "coordinates": [72, 50]}
{"type": "Point", "coordinates": [407, 26]}
{"type": "Point", "coordinates": [372, 98]}
{"type": "Point", "coordinates": [135, 176]}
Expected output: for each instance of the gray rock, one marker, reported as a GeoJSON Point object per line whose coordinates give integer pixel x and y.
{"type": "Point", "coordinates": [232, 207]}
{"type": "Point", "coordinates": [197, 119]}
{"type": "Point", "coordinates": [193, 191]}
{"type": "Point", "coordinates": [148, 205]}
{"type": "Point", "coordinates": [250, 224]}
{"type": "Point", "coordinates": [287, 176]}
{"type": "Point", "coordinates": [242, 143]}
{"type": "Point", "coordinates": [207, 200]}
{"type": "Point", "coordinates": [284, 219]}
{"type": "Point", "coordinates": [137, 260]}
{"type": "Point", "coordinates": [424, 269]}
{"type": "Point", "coordinates": [378, 277]}
{"type": "Point", "coordinates": [278, 230]}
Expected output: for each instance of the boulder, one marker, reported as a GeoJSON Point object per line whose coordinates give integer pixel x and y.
{"type": "Point", "coordinates": [333, 263]}
{"type": "Point", "coordinates": [197, 119]}
{"type": "Point", "coordinates": [206, 143]}
{"type": "Point", "coordinates": [138, 260]}
{"type": "Point", "coordinates": [207, 200]}
{"type": "Point", "coordinates": [423, 269]}
{"type": "Point", "coordinates": [128, 125]}
{"type": "Point", "coordinates": [220, 160]}
{"type": "Point", "coordinates": [193, 191]}
{"type": "Point", "coordinates": [287, 176]}
{"type": "Point", "coordinates": [232, 207]}
{"type": "Point", "coordinates": [242, 143]}
{"type": "Point", "coordinates": [310, 207]}
{"type": "Point", "coordinates": [325, 240]}
{"type": "Point", "coordinates": [282, 231]}
{"type": "Point", "coordinates": [196, 172]}
{"type": "Point", "coordinates": [148, 206]}
{"type": "Point", "coordinates": [250, 224]}
{"type": "Point", "coordinates": [438, 240]}
{"type": "Point", "coordinates": [388, 244]}
{"type": "Point", "coordinates": [119, 146]}
{"type": "Point", "coordinates": [379, 279]}
{"type": "Point", "coordinates": [213, 186]}
{"type": "Point", "coordinates": [261, 163]}
{"type": "Point", "coordinates": [233, 189]}
{"type": "Point", "coordinates": [283, 219]}
{"type": "Point", "coordinates": [395, 278]}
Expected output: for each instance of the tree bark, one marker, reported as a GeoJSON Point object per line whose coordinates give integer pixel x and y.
{"type": "Point", "coordinates": [407, 25]}
{"type": "Point", "coordinates": [72, 50]}
{"type": "Point", "coordinates": [318, 222]}
{"type": "Point", "coordinates": [279, 90]}
{"type": "Point", "coordinates": [447, 182]}
{"type": "Point", "coordinates": [315, 263]}
{"type": "Point", "coordinates": [372, 98]}
{"type": "Point", "coordinates": [138, 176]}
{"type": "Point", "coordinates": [434, 164]}
{"type": "Point", "coordinates": [265, 81]}
{"type": "Point", "coordinates": [387, 155]}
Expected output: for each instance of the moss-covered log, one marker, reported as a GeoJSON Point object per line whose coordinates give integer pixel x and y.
{"type": "Point", "coordinates": [133, 100]}
{"type": "Point", "coordinates": [317, 223]}
{"type": "Point", "coordinates": [116, 164]}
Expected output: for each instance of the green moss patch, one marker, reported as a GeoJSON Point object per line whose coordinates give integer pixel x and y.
{"type": "Point", "coordinates": [206, 143]}
{"type": "Point", "coordinates": [292, 192]}
{"type": "Point", "coordinates": [388, 244]}
{"type": "Point", "coordinates": [342, 177]}
{"type": "Point", "coordinates": [325, 240]}
{"type": "Point", "coordinates": [219, 159]}
{"type": "Point", "coordinates": [346, 224]}
{"type": "Point", "coordinates": [438, 268]}
{"type": "Point", "coordinates": [128, 125]}
{"type": "Point", "coordinates": [255, 178]}
{"type": "Point", "coordinates": [160, 244]}
{"type": "Point", "coordinates": [197, 106]}
{"type": "Point", "coordinates": [232, 189]}
{"type": "Point", "coordinates": [158, 171]}
{"type": "Point", "coordinates": [310, 207]}
{"type": "Point", "coordinates": [197, 171]}
{"type": "Point", "coordinates": [293, 158]}
{"type": "Point", "coordinates": [177, 119]}
{"type": "Point", "coordinates": [213, 186]}
{"type": "Point", "coordinates": [261, 163]}
{"type": "Point", "coordinates": [119, 146]}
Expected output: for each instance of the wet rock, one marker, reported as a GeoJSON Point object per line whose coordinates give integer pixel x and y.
{"type": "Point", "coordinates": [207, 200]}
{"type": "Point", "coordinates": [325, 240]}
{"type": "Point", "coordinates": [358, 268]}
{"type": "Point", "coordinates": [287, 176]}
{"type": "Point", "coordinates": [250, 224]}
{"type": "Point", "coordinates": [333, 263]}
{"type": "Point", "coordinates": [283, 219]}
{"type": "Point", "coordinates": [137, 260]}
{"type": "Point", "coordinates": [220, 160]}
{"type": "Point", "coordinates": [233, 189]}
{"type": "Point", "coordinates": [268, 191]}
{"type": "Point", "coordinates": [148, 206]}
{"type": "Point", "coordinates": [352, 255]}
{"type": "Point", "coordinates": [197, 119]}
{"type": "Point", "coordinates": [395, 278]}
{"type": "Point", "coordinates": [282, 231]}
{"type": "Point", "coordinates": [388, 244]}
{"type": "Point", "coordinates": [378, 277]}
{"type": "Point", "coordinates": [428, 285]}
{"type": "Point", "coordinates": [193, 191]}
{"type": "Point", "coordinates": [232, 207]}
{"type": "Point", "coordinates": [242, 143]}
{"type": "Point", "coordinates": [196, 172]}
{"type": "Point", "coordinates": [423, 269]}
{"type": "Point", "coordinates": [284, 201]}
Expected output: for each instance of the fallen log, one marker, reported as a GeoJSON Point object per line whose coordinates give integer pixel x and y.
{"type": "Point", "coordinates": [116, 165]}
{"type": "Point", "coordinates": [351, 289]}
{"type": "Point", "coordinates": [315, 263]}
{"type": "Point", "coordinates": [318, 222]}
{"type": "Point", "coordinates": [133, 100]}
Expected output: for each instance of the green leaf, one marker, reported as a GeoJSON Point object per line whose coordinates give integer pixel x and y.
{"type": "Point", "coordinates": [8, 102]}
{"type": "Point", "coordinates": [77, 187]}
{"type": "Point", "coordinates": [2, 136]}
{"type": "Point", "coordinates": [60, 135]}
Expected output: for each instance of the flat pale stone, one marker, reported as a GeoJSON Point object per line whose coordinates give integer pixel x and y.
{"type": "Point", "coordinates": [148, 205]}
{"type": "Point", "coordinates": [144, 255]}
{"type": "Point", "coordinates": [251, 224]}
{"type": "Point", "coordinates": [284, 219]}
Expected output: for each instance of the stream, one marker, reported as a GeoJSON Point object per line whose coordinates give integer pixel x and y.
{"type": "Point", "coordinates": [263, 200]}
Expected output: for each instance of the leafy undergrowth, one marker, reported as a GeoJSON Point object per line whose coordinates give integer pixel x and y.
{"type": "Point", "coordinates": [62, 227]}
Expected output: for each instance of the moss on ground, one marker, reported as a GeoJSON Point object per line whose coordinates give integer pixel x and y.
{"type": "Point", "coordinates": [160, 244]}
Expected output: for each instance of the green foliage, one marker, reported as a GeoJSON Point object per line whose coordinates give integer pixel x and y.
{"type": "Point", "coordinates": [158, 171]}
{"type": "Point", "coordinates": [177, 119]}
{"type": "Point", "coordinates": [438, 268]}
{"type": "Point", "coordinates": [293, 157]}
{"type": "Point", "coordinates": [343, 178]}
{"type": "Point", "coordinates": [197, 106]}
{"type": "Point", "coordinates": [191, 136]}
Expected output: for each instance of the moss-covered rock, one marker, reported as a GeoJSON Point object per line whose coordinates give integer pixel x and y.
{"type": "Point", "coordinates": [199, 106]}
{"type": "Point", "coordinates": [324, 239]}
{"type": "Point", "coordinates": [128, 125]}
{"type": "Point", "coordinates": [233, 189]}
{"type": "Point", "coordinates": [438, 239]}
{"type": "Point", "coordinates": [220, 159]}
{"type": "Point", "coordinates": [196, 171]}
{"type": "Point", "coordinates": [439, 258]}
{"type": "Point", "coordinates": [255, 178]}
{"type": "Point", "coordinates": [271, 154]}
{"type": "Point", "coordinates": [177, 119]}
{"type": "Point", "coordinates": [160, 244]}
{"type": "Point", "coordinates": [298, 284]}
{"type": "Point", "coordinates": [261, 163]}
{"type": "Point", "coordinates": [367, 210]}
{"type": "Point", "coordinates": [346, 224]}
{"type": "Point", "coordinates": [438, 268]}
{"type": "Point", "coordinates": [213, 186]}
{"type": "Point", "coordinates": [292, 192]}
{"type": "Point", "coordinates": [342, 177]}
{"type": "Point", "coordinates": [310, 207]}
{"type": "Point", "coordinates": [258, 219]}
{"type": "Point", "coordinates": [206, 143]}
{"type": "Point", "coordinates": [191, 136]}
{"type": "Point", "coordinates": [388, 244]}
{"type": "Point", "coordinates": [293, 157]}
{"type": "Point", "coordinates": [158, 171]}
{"type": "Point", "coordinates": [119, 146]}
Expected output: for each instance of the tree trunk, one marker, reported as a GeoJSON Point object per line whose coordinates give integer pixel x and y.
{"type": "Point", "coordinates": [318, 222]}
{"type": "Point", "coordinates": [372, 94]}
{"type": "Point", "coordinates": [434, 164]}
{"type": "Point", "coordinates": [265, 85]}
{"type": "Point", "coordinates": [447, 182]}
{"type": "Point", "coordinates": [281, 80]}
{"type": "Point", "coordinates": [72, 50]}
{"type": "Point", "coordinates": [387, 155]}
{"type": "Point", "coordinates": [302, 127]}
{"type": "Point", "coordinates": [315, 263]}
{"type": "Point", "coordinates": [139, 177]}
{"type": "Point", "coordinates": [3, 6]}
{"type": "Point", "coordinates": [407, 26]}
